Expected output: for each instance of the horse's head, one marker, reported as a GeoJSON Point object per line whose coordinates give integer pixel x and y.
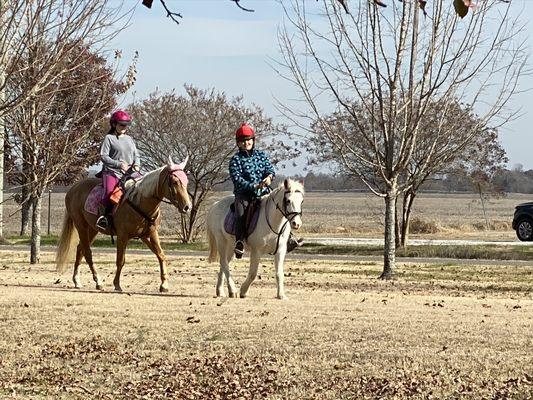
{"type": "Point", "coordinates": [176, 188]}
{"type": "Point", "coordinates": [293, 198]}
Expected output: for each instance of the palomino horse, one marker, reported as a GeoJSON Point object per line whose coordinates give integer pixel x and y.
{"type": "Point", "coordinates": [280, 212]}
{"type": "Point", "coordinates": [137, 217]}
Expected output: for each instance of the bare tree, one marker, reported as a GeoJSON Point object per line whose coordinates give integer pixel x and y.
{"type": "Point", "coordinates": [201, 125]}
{"type": "Point", "coordinates": [393, 65]}
{"type": "Point", "coordinates": [69, 24]}
{"type": "Point", "coordinates": [54, 135]}
{"type": "Point", "coordinates": [442, 131]}
{"type": "Point", "coordinates": [482, 162]}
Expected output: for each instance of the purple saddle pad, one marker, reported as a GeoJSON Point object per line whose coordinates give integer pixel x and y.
{"type": "Point", "coordinates": [93, 200]}
{"type": "Point", "coordinates": [229, 222]}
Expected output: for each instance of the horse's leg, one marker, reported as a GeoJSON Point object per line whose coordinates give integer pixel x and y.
{"type": "Point", "coordinates": [225, 251]}
{"type": "Point", "coordinates": [122, 242]}
{"type": "Point", "coordinates": [279, 258]}
{"type": "Point", "coordinates": [220, 277]}
{"type": "Point", "coordinates": [91, 234]}
{"type": "Point", "coordinates": [232, 288]}
{"type": "Point", "coordinates": [76, 273]}
{"type": "Point", "coordinates": [154, 244]}
{"type": "Point", "coordinates": [252, 272]}
{"type": "Point", "coordinates": [87, 236]}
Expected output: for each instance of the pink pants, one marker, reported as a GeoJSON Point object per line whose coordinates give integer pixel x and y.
{"type": "Point", "coordinates": [109, 181]}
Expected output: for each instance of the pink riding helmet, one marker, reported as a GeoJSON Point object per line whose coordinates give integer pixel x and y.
{"type": "Point", "coordinates": [120, 117]}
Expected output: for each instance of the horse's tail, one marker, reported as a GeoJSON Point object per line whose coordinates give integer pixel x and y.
{"type": "Point", "coordinates": [65, 247]}
{"type": "Point", "coordinates": [212, 246]}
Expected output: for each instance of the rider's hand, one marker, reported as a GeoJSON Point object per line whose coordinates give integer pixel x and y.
{"type": "Point", "coordinates": [266, 182]}
{"type": "Point", "coordinates": [123, 166]}
{"type": "Point", "coordinates": [136, 168]}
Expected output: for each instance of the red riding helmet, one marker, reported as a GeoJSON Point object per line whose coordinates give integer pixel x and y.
{"type": "Point", "coordinates": [120, 117]}
{"type": "Point", "coordinates": [244, 132]}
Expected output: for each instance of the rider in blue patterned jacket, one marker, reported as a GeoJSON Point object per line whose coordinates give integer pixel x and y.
{"type": "Point", "coordinates": [251, 172]}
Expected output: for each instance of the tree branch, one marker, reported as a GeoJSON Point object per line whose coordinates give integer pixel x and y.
{"type": "Point", "coordinates": [170, 14]}
{"type": "Point", "coordinates": [241, 7]}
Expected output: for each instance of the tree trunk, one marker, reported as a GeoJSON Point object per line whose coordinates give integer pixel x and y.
{"type": "Point", "coordinates": [389, 264]}
{"type": "Point", "coordinates": [480, 191]}
{"type": "Point", "coordinates": [25, 217]}
{"type": "Point", "coordinates": [398, 228]}
{"type": "Point", "coordinates": [408, 201]}
{"type": "Point", "coordinates": [187, 224]}
{"type": "Point", "coordinates": [2, 133]}
{"type": "Point", "coordinates": [36, 230]}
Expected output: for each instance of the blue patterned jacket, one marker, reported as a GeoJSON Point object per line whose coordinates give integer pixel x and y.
{"type": "Point", "coordinates": [247, 169]}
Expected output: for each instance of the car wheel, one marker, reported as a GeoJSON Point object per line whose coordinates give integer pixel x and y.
{"type": "Point", "coordinates": [524, 230]}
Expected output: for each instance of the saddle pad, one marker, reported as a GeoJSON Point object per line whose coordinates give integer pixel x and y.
{"type": "Point", "coordinates": [229, 222]}
{"type": "Point", "coordinates": [93, 200]}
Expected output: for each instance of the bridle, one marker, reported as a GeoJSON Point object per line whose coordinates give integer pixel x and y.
{"type": "Point", "coordinates": [171, 189]}
{"type": "Point", "coordinates": [289, 216]}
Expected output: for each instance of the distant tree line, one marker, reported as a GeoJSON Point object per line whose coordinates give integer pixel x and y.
{"type": "Point", "coordinates": [515, 180]}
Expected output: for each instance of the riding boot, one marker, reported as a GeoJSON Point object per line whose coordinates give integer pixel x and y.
{"type": "Point", "coordinates": [293, 242]}
{"type": "Point", "coordinates": [239, 236]}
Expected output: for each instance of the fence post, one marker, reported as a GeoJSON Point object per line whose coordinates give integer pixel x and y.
{"type": "Point", "coordinates": [49, 209]}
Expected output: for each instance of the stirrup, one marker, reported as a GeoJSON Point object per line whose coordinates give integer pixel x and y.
{"type": "Point", "coordinates": [239, 249]}
{"type": "Point", "coordinates": [102, 223]}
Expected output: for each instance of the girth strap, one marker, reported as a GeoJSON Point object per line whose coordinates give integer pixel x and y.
{"type": "Point", "coordinates": [150, 220]}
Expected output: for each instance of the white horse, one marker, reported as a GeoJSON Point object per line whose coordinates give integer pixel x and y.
{"type": "Point", "coordinates": [280, 212]}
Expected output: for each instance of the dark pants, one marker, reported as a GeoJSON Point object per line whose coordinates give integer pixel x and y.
{"type": "Point", "coordinates": [241, 204]}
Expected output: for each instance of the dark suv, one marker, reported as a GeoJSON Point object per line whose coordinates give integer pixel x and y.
{"type": "Point", "coordinates": [523, 221]}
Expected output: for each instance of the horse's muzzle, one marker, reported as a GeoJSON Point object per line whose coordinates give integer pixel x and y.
{"type": "Point", "coordinates": [185, 209]}
{"type": "Point", "coordinates": [296, 225]}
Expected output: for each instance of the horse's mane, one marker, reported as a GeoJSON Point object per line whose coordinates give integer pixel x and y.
{"type": "Point", "coordinates": [146, 186]}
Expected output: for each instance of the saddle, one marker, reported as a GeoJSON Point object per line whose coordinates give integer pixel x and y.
{"type": "Point", "coordinates": [251, 216]}
{"type": "Point", "coordinates": [92, 202]}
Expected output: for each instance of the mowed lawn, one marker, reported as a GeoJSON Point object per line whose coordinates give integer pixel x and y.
{"type": "Point", "coordinates": [438, 331]}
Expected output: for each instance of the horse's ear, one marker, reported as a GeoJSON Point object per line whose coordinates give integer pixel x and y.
{"type": "Point", "coordinates": [183, 163]}
{"type": "Point", "coordinates": [170, 163]}
{"type": "Point", "coordinates": [286, 183]}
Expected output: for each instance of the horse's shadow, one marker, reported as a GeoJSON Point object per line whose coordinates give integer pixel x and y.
{"type": "Point", "coordinates": [110, 292]}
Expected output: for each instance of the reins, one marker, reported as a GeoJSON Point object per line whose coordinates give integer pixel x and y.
{"type": "Point", "coordinates": [288, 218]}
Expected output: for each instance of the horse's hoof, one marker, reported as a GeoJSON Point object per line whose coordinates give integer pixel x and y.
{"type": "Point", "coordinates": [282, 297]}
{"type": "Point", "coordinates": [99, 287]}
{"type": "Point", "coordinates": [234, 295]}
{"type": "Point", "coordinates": [118, 289]}
{"type": "Point", "coordinates": [163, 289]}
{"type": "Point", "coordinates": [78, 286]}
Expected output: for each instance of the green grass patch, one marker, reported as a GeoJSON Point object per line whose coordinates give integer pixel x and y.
{"type": "Point", "coordinates": [486, 252]}
{"type": "Point", "coordinates": [105, 241]}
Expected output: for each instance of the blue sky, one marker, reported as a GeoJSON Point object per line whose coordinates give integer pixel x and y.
{"type": "Point", "coordinates": [217, 45]}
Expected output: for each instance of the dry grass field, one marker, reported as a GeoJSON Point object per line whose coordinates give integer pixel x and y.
{"type": "Point", "coordinates": [354, 214]}
{"type": "Point", "coordinates": [438, 331]}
